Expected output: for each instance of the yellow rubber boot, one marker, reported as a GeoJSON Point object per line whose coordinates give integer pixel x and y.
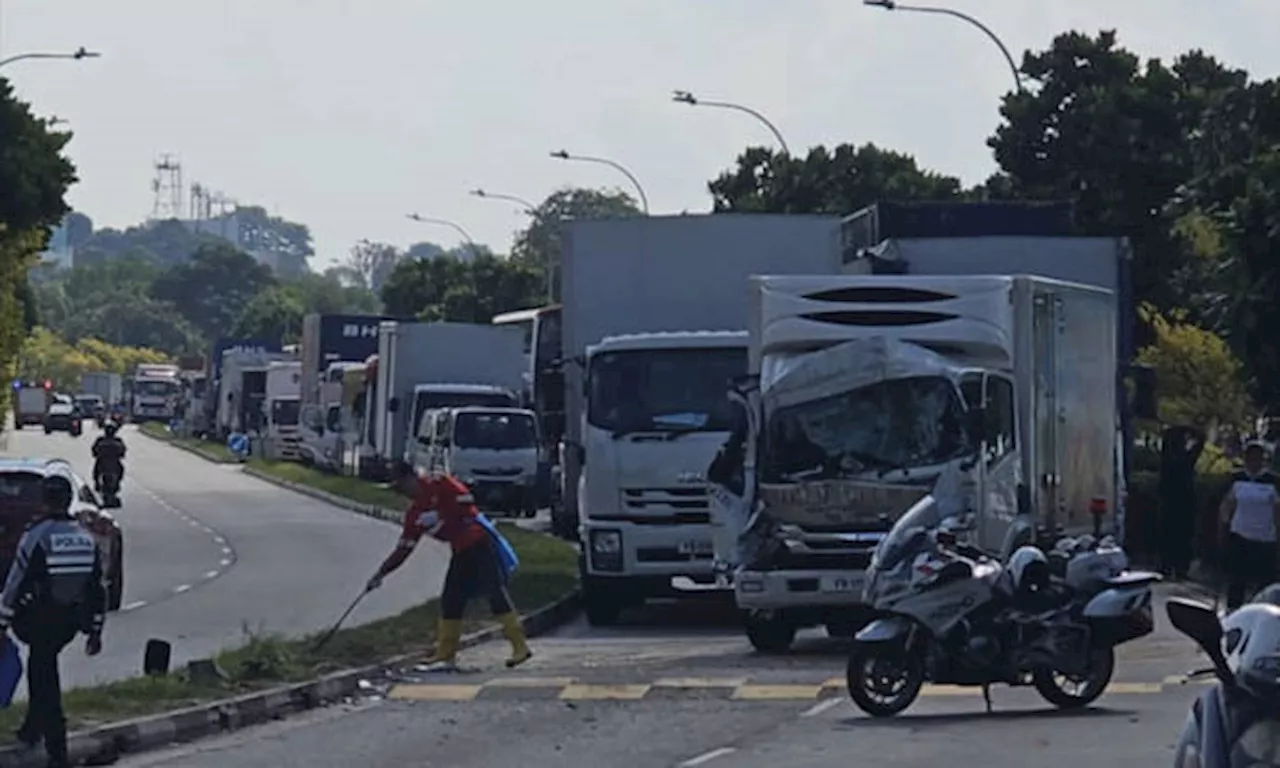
{"type": "Point", "coordinates": [514, 631]}
{"type": "Point", "coordinates": [448, 637]}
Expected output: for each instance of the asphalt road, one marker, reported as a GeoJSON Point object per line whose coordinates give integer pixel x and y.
{"type": "Point", "coordinates": [211, 553]}
{"type": "Point", "coordinates": [680, 687]}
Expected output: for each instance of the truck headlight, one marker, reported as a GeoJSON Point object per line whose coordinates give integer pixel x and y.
{"type": "Point", "coordinates": [606, 550]}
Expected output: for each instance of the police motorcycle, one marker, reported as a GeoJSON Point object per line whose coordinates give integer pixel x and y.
{"type": "Point", "coordinates": [952, 614]}
{"type": "Point", "coordinates": [1236, 723]}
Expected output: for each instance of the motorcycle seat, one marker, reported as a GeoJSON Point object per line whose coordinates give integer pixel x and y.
{"type": "Point", "coordinates": [1134, 579]}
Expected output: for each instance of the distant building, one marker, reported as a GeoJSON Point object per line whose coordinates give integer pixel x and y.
{"type": "Point", "coordinates": [59, 251]}
{"type": "Point", "coordinates": [229, 227]}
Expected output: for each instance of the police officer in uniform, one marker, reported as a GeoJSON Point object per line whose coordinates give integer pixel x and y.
{"type": "Point", "coordinates": [53, 592]}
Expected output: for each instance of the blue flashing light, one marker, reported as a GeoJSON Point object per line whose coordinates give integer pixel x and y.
{"type": "Point", "coordinates": [17, 383]}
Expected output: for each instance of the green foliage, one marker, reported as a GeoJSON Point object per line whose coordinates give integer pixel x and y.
{"type": "Point", "coordinates": [45, 355]}
{"type": "Point", "coordinates": [1200, 379]}
{"type": "Point", "coordinates": [474, 291]}
{"type": "Point", "coordinates": [836, 181]}
{"type": "Point", "coordinates": [274, 313]}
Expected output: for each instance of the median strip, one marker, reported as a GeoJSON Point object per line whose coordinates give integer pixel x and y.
{"type": "Point", "coordinates": [205, 449]}
{"type": "Point", "coordinates": [271, 675]}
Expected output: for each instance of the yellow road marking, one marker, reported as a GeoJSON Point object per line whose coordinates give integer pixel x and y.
{"type": "Point", "coordinates": [435, 692]}
{"type": "Point", "coordinates": [762, 692]}
{"type": "Point", "coordinates": [700, 682]}
{"type": "Point", "coordinates": [627, 692]}
{"type": "Point", "coordinates": [530, 682]}
{"type": "Point", "coordinates": [836, 682]}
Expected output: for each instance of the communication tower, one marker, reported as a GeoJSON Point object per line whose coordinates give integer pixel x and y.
{"type": "Point", "coordinates": [167, 187]}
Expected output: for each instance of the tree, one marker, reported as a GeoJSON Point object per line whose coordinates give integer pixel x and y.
{"type": "Point", "coordinates": [538, 246]}
{"type": "Point", "coordinates": [213, 288]}
{"type": "Point", "coordinates": [327, 294]}
{"type": "Point", "coordinates": [165, 243]}
{"type": "Point", "coordinates": [470, 292]}
{"type": "Point", "coordinates": [836, 181]}
{"type": "Point", "coordinates": [369, 264]}
{"type": "Point", "coordinates": [1200, 380]}
{"type": "Point", "coordinates": [288, 242]}
{"type": "Point", "coordinates": [275, 313]}
{"type": "Point", "coordinates": [46, 355]}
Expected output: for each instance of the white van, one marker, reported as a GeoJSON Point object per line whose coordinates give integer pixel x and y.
{"type": "Point", "coordinates": [493, 450]}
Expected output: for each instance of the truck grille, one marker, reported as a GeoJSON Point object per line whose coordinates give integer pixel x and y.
{"type": "Point", "coordinates": [660, 500]}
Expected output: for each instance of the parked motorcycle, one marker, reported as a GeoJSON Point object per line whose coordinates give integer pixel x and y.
{"type": "Point", "coordinates": [1236, 723]}
{"type": "Point", "coordinates": [950, 614]}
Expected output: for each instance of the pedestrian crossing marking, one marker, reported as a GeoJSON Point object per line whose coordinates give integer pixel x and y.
{"type": "Point", "coordinates": [700, 682]}
{"type": "Point", "coordinates": [776, 692]}
{"type": "Point", "coordinates": [435, 692]}
{"type": "Point", "coordinates": [604, 692]}
{"type": "Point", "coordinates": [739, 689]}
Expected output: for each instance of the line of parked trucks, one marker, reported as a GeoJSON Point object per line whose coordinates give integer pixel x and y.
{"type": "Point", "coordinates": [836, 369]}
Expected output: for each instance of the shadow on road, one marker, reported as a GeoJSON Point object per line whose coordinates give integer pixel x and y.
{"type": "Point", "coordinates": [917, 721]}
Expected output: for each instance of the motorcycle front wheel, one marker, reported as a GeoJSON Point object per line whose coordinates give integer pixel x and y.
{"type": "Point", "coordinates": [884, 679]}
{"type": "Point", "coordinates": [1074, 691]}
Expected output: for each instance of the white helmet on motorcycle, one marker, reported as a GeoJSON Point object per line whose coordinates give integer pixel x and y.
{"type": "Point", "coordinates": [1250, 637]}
{"type": "Point", "coordinates": [1029, 569]}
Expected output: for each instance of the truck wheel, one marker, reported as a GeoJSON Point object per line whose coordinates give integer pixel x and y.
{"type": "Point", "coordinates": [602, 609]}
{"type": "Point", "coordinates": [768, 631]}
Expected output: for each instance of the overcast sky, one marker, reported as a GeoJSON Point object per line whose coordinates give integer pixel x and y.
{"type": "Point", "coordinates": [347, 114]}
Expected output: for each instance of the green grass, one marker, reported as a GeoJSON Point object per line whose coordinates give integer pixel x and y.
{"type": "Point", "coordinates": [548, 571]}
{"type": "Point", "coordinates": [216, 452]}
{"type": "Point", "coordinates": [352, 488]}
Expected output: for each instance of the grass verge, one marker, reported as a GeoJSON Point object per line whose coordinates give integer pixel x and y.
{"type": "Point", "coordinates": [208, 449]}
{"type": "Point", "coordinates": [354, 488]}
{"type": "Point", "coordinates": [548, 571]}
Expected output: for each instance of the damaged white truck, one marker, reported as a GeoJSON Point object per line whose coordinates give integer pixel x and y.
{"type": "Point", "coordinates": [867, 392]}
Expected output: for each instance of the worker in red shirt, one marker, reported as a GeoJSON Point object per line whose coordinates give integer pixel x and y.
{"type": "Point", "coordinates": [444, 509]}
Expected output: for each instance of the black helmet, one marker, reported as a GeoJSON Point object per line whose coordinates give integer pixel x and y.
{"type": "Point", "coordinates": [57, 493]}
{"type": "Point", "coordinates": [110, 428]}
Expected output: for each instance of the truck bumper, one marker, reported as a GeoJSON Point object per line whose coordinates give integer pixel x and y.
{"type": "Point", "coordinates": [505, 497]}
{"type": "Point", "coordinates": [779, 590]}
{"type": "Point", "coordinates": [648, 557]}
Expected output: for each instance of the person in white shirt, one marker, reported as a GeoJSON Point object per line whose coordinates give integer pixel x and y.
{"type": "Point", "coordinates": [1250, 511]}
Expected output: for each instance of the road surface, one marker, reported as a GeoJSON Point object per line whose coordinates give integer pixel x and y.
{"type": "Point", "coordinates": [680, 687]}
{"type": "Point", "coordinates": [211, 553]}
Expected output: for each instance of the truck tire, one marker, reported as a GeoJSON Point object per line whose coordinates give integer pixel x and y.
{"type": "Point", "coordinates": [601, 604]}
{"type": "Point", "coordinates": [768, 631]}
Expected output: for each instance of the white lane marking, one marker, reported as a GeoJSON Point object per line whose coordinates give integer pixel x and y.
{"type": "Point", "coordinates": [135, 605]}
{"type": "Point", "coordinates": [181, 588]}
{"type": "Point", "coordinates": [707, 757]}
{"type": "Point", "coordinates": [219, 540]}
{"type": "Point", "coordinates": [211, 574]}
{"type": "Point", "coordinates": [226, 550]}
{"type": "Point", "coordinates": [822, 706]}
{"type": "Point", "coordinates": [224, 562]}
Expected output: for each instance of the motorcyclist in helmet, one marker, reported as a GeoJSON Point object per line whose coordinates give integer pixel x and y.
{"type": "Point", "coordinates": [108, 454]}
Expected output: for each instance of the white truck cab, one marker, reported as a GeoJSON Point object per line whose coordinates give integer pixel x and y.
{"type": "Point", "coordinates": [493, 450]}
{"type": "Point", "coordinates": [427, 397]}
{"type": "Point", "coordinates": [283, 406]}
{"type": "Point", "coordinates": [656, 411]}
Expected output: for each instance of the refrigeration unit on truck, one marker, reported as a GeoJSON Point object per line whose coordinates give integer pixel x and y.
{"type": "Point", "coordinates": [995, 393]}
{"type": "Point", "coordinates": [283, 406]}
{"type": "Point", "coordinates": [642, 277]}
{"type": "Point", "coordinates": [155, 390]}
{"type": "Point", "coordinates": [432, 365]}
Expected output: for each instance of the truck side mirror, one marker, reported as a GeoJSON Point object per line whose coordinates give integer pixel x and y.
{"type": "Point", "coordinates": [1145, 403]}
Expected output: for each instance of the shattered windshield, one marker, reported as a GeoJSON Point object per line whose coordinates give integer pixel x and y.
{"type": "Point", "coordinates": [889, 425]}
{"type": "Point", "coordinates": [676, 390]}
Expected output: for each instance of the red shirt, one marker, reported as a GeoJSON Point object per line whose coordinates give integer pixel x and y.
{"type": "Point", "coordinates": [444, 510]}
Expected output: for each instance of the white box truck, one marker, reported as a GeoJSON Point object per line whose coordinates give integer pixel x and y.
{"type": "Point", "coordinates": [283, 406]}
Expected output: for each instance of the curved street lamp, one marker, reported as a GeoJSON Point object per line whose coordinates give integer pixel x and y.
{"type": "Point", "coordinates": [685, 97]}
{"type": "Point", "coordinates": [644, 199]}
{"type": "Point", "coordinates": [891, 5]}
{"type": "Point", "coordinates": [475, 250]}
{"type": "Point", "coordinates": [79, 53]}
{"type": "Point", "coordinates": [529, 207]}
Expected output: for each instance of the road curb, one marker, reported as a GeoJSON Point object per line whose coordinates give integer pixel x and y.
{"type": "Point", "coordinates": [108, 743]}
{"type": "Point", "coordinates": [172, 443]}
{"type": "Point", "coordinates": [368, 510]}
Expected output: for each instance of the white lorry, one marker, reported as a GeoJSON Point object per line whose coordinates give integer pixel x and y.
{"type": "Point", "coordinates": [998, 393]}
{"type": "Point", "coordinates": [30, 402]}
{"type": "Point", "coordinates": [155, 390]}
{"type": "Point", "coordinates": [329, 423]}
{"type": "Point", "coordinates": [433, 365]}
{"type": "Point", "coordinates": [653, 326]}
{"type": "Point", "coordinates": [493, 450]}
{"type": "Point", "coordinates": [283, 404]}
{"type": "Point", "coordinates": [242, 390]}
{"type": "Point", "coordinates": [106, 385]}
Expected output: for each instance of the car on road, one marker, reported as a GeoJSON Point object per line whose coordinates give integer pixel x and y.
{"type": "Point", "coordinates": [91, 407]}
{"type": "Point", "coordinates": [20, 480]}
{"type": "Point", "coordinates": [63, 416]}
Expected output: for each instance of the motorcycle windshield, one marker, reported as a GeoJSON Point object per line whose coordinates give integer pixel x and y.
{"type": "Point", "coordinates": [908, 537]}
{"type": "Point", "coordinates": [1258, 746]}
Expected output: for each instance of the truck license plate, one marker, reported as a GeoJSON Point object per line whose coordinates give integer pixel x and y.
{"type": "Point", "coordinates": [840, 584]}
{"type": "Point", "coordinates": [696, 547]}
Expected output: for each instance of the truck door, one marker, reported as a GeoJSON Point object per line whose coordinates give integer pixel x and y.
{"type": "Point", "coordinates": [1048, 504]}
{"type": "Point", "coordinates": [442, 443]}
{"type": "Point", "coordinates": [1001, 464]}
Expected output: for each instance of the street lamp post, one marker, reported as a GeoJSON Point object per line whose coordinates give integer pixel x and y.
{"type": "Point", "coordinates": [685, 97]}
{"type": "Point", "coordinates": [892, 5]}
{"type": "Point", "coordinates": [644, 199]}
{"type": "Point", "coordinates": [475, 254]}
{"type": "Point", "coordinates": [529, 207]}
{"type": "Point", "coordinates": [79, 53]}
